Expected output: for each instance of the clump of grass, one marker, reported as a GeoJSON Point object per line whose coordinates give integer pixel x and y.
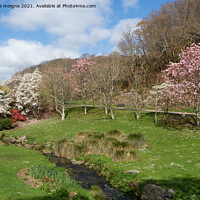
{"type": "Point", "coordinates": [97, 192]}
{"type": "Point", "coordinates": [119, 154]}
{"type": "Point", "coordinates": [69, 149]}
{"type": "Point", "coordinates": [113, 144]}
{"type": "Point", "coordinates": [114, 133]}
{"type": "Point", "coordinates": [120, 144]}
{"type": "Point", "coordinates": [50, 175]}
{"type": "Point", "coordinates": [99, 136]}
{"type": "Point", "coordinates": [58, 183]}
{"type": "Point", "coordinates": [61, 193]}
{"type": "Point", "coordinates": [109, 141]}
{"type": "Point", "coordinates": [136, 140]}
{"type": "Point", "coordinates": [2, 136]}
{"type": "Point", "coordinates": [133, 154]}
{"type": "Point", "coordinates": [79, 148]}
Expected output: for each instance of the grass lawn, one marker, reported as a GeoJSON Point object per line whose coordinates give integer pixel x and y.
{"type": "Point", "coordinates": [172, 158]}
{"type": "Point", "coordinates": [11, 160]}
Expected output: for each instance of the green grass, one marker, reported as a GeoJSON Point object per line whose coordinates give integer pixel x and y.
{"type": "Point", "coordinates": [114, 144]}
{"type": "Point", "coordinates": [12, 159]}
{"type": "Point", "coordinates": [57, 179]}
{"type": "Point", "coordinates": [171, 159]}
{"type": "Point", "coordinates": [176, 108]}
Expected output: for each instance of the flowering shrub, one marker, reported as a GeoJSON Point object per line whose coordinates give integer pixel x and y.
{"type": "Point", "coordinates": [16, 116]}
{"type": "Point", "coordinates": [27, 92]}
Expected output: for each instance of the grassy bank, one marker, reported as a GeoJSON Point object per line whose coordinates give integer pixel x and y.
{"type": "Point", "coordinates": [13, 158]}
{"type": "Point", "coordinates": [172, 158]}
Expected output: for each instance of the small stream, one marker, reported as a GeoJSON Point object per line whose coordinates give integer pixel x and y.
{"type": "Point", "coordinates": [88, 177]}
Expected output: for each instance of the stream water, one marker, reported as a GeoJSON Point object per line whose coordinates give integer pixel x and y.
{"type": "Point", "coordinates": [88, 177]}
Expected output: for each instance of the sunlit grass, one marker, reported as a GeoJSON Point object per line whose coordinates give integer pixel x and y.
{"type": "Point", "coordinates": [173, 153]}
{"type": "Point", "coordinates": [12, 159]}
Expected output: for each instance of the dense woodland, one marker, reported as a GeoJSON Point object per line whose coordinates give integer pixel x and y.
{"type": "Point", "coordinates": [135, 75]}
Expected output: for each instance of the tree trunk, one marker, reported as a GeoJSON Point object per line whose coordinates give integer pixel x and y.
{"type": "Point", "coordinates": [166, 111]}
{"type": "Point", "coordinates": [156, 113]}
{"type": "Point", "coordinates": [85, 109]}
{"type": "Point", "coordinates": [198, 119]}
{"type": "Point", "coordinates": [156, 117]}
{"type": "Point", "coordinates": [63, 113]}
{"type": "Point", "coordinates": [112, 115]}
{"type": "Point", "coordinates": [197, 110]}
{"type": "Point", "coordinates": [101, 104]}
{"type": "Point", "coordinates": [137, 115]}
{"type": "Point", "coordinates": [106, 109]}
{"type": "Point", "coordinates": [93, 100]}
{"type": "Point", "coordinates": [63, 117]}
{"type": "Point", "coordinates": [101, 98]}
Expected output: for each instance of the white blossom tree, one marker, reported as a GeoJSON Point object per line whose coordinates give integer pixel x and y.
{"type": "Point", "coordinates": [4, 104]}
{"type": "Point", "coordinates": [159, 97]}
{"type": "Point", "coordinates": [27, 94]}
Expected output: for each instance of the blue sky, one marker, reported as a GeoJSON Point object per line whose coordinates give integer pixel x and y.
{"type": "Point", "coordinates": [32, 35]}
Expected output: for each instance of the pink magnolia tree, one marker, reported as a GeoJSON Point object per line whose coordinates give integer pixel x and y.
{"type": "Point", "coordinates": [81, 73]}
{"type": "Point", "coordinates": [183, 79]}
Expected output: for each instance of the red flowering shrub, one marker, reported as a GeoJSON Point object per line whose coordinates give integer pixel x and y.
{"type": "Point", "coordinates": [16, 116]}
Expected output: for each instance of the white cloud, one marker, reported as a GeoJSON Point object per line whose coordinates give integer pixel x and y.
{"type": "Point", "coordinates": [18, 54]}
{"type": "Point", "coordinates": [72, 29]}
{"type": "Point", "coordinates": [99, 34]}
{"type": "Point", "coordinates": [6, 72]}
{"type": "Point", "coordinates": [121, 27]}
{"type": "Point", "coordinates": [59, 22]}
{"type": "Point", "coordinates": [129, 3]}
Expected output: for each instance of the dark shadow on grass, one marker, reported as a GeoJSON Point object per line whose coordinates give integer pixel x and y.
{"type": "Point", "coordinates": [78, 110]}
{"type": "Point", "coordinates": [173, 121]}
{"type": "Point", "coordinates": [177, 122]}
{"type": "Point", "coordinates": [148, 114]}
{"type": "Point", "coordinates": [73, 109]}
{"type": "Point", "coordinates": [40, 198]}
{"type": "Point", "coordinates": [184, 187]}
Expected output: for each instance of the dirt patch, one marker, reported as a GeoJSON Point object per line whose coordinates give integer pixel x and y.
{"type": "Point", "coordinates": [26, 123]}
{"type": "Point", "coordinates": [48, 115]}
{"type": "Point", "coordinates": [24, 176]}
{"type": "Point", "coordinates": [1, 143]}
